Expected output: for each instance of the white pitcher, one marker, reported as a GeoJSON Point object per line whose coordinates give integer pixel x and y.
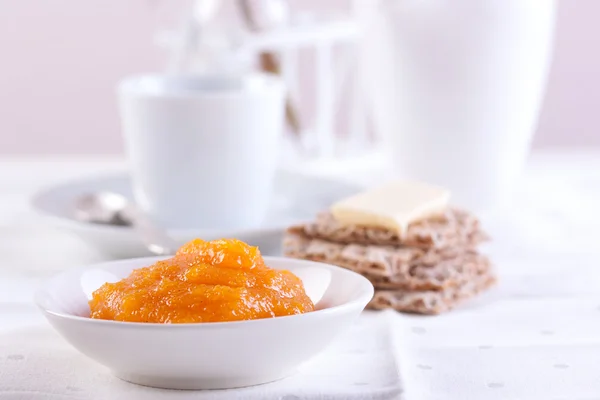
{"type": "Point", "coordinates": [456, 88]}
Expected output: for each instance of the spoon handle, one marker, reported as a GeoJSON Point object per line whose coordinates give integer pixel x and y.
{"type": "Point", "coordinates": [156, 239]}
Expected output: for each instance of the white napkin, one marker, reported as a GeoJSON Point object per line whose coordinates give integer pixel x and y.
{"type": "Point", "coordinates": [534, 337]}
{"type": "Point", "coordinates": [546, 349]}
{"type": "Point", "coordinates": [37, 363]}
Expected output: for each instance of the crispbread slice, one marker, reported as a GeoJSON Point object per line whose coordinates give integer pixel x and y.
{"type": "Point", "coordinates": [386, 266]}
{"type": "Point", "coordinates": [431, 302]}
{"type": "Point", "coordinates": [454, 228]}
{"type": "Point", "coordinates": [445, 274]}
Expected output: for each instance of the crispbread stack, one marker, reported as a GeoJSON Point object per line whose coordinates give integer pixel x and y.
{"type": "Point", "coordinates": [433, 267]}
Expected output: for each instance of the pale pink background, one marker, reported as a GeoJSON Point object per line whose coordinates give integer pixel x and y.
{"type": "Point", "coordinates": [60, 59]}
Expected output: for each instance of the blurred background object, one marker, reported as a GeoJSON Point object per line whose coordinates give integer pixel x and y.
{"type": "Point", "coordinates": [266, 35]}
{"type": "Point", "coordinates": [60, 61]}
{"type": "Point", "coordinates": [310, 47]}
{"type": "Point", "coordinates": [455, 89]}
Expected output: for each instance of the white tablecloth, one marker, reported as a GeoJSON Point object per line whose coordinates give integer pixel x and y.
{"type": "Point", "coordinates": [535, 336]}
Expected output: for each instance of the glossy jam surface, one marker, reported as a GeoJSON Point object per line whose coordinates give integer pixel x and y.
{"type": "Point", "coordinates": [217, 281]}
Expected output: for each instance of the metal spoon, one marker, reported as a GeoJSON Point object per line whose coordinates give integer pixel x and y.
{"type": "Point", "coordinates": [115, 209]}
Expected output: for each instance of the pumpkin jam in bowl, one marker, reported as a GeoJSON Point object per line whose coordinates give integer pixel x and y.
{"type": "Point", "coordinates": [217, 281]}
{"type": "Point", "coordinates": [216, 315]}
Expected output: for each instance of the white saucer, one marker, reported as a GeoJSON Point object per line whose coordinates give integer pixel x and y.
{"type": "Point", "coordinates": [296, 198]}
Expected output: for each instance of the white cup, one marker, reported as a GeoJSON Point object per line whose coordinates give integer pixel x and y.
{"type": "Point", "coordinates": [456, 88]}
{"type": "Point", "coordinates": [202, 149]}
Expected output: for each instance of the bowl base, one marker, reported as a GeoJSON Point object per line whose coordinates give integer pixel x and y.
{"type": "Point", "coordinates": [196, 383]}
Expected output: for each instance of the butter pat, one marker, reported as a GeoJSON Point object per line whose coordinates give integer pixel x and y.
{"type": "Point", "coordinates": [393, 206]}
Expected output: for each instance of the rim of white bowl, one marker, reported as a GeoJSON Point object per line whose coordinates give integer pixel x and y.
{"type": "Point", "coordinates": [361, 301]}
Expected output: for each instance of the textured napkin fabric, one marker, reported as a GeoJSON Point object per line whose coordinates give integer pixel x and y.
{"type": "Point", "coordinates": [517, 349]}
{"type": "Point", "coordinates": [362, 364]}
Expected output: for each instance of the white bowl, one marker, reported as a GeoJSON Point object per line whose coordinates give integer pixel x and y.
{"type": "Point", "coordinates": [204, 355]}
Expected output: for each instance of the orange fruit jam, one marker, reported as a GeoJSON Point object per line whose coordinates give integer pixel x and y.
{"type": "Point", "coordinates": [222, 280]}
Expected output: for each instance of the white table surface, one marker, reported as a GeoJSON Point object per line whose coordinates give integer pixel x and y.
{"type": "Point", "coordinates": [535, 336]}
